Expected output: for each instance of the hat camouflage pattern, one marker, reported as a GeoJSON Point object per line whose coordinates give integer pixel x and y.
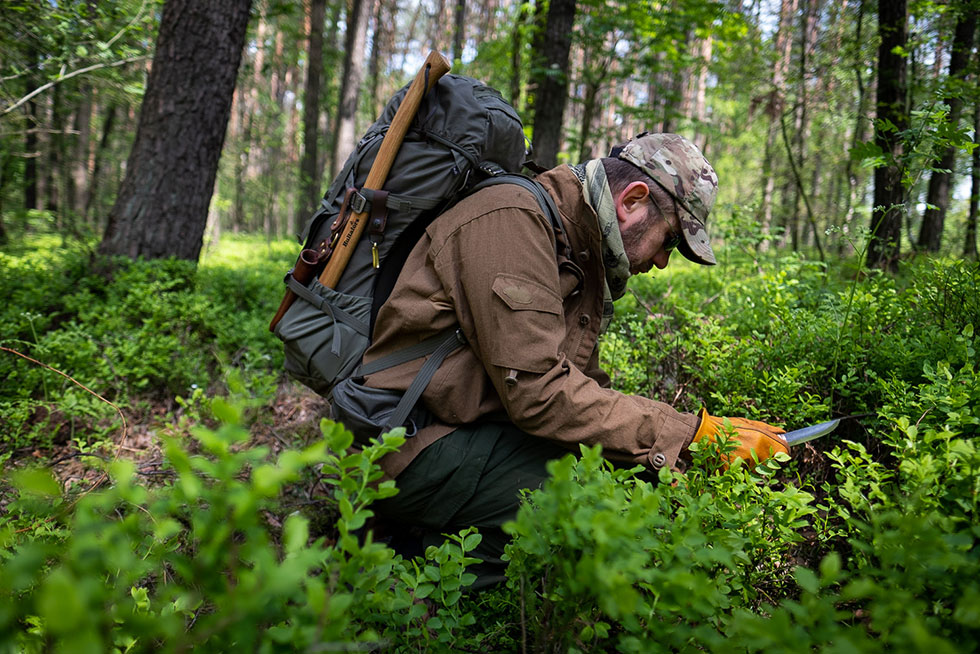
{"type": "Point", "coordinates": [678, 167]}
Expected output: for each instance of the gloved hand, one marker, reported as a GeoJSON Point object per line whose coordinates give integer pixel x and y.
{"type": "Point", "coordinates": [753, 436]}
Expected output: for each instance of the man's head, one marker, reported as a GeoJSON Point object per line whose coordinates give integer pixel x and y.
{"type": "Point", "coordinates": [664, 188]}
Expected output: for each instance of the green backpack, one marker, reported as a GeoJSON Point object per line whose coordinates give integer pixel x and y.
{"type": "Point", "coordinates": [465, 136]}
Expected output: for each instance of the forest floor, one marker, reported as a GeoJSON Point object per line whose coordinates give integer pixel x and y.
{"type": "Point", "coordinates": [293, 415]}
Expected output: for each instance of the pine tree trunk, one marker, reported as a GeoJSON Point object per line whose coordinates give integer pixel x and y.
{"type": "Point", "coordinates": [346, 131]}
{"type": "Point", "coordinates": [774, 109]}
{"type": "Point", "coordinates": [309, 173]}
{"type": "Point", "coordinates": [162, 206]}
{"type": "Point", "coordinates": [516, 47]}
{"type": "Point", "coordinates": [52, 163]}
{"type": "Point", "coordinates": [940, 184]}
{"type": "Point", "coordinates": [329, 84]}
{"type": "Point", "coordinates": [889, 195]}
{"type": "Point", "coordinates": [550, 81]}
{"type": "Point", "coordinates": [30, 136]}
{"type": "Point", "coordinates": [92, 209]}
{"type": "Point", "coordinates": [81, 164]}
{"type": "Point", "coordinates": [459, 33]}
{"type": "Point", "coordinates": [970, 245]}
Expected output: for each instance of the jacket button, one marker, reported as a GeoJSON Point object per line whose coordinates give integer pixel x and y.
{"type": "Point", "coordinates": [659, 460]}
{"type": "Point", "coordinates": [583, 255]}
{"type": "Point", "coordinates": [584, 319]}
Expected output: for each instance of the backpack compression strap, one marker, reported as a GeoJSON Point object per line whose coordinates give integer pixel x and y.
{"type": "Point", "coordinates": [438, 347]}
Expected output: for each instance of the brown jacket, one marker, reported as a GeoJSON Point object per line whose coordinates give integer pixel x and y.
{"type": "Point", "coordinates": [531, 321]}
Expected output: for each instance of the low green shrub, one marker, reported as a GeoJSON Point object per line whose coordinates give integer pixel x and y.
{"type": "Point", "coordinates": [213, 562]}
{"type": "Point", "coordinates": [130, 330]}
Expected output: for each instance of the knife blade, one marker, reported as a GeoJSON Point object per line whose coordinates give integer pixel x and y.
{"type": "Point", "coordinates": [807, 434]}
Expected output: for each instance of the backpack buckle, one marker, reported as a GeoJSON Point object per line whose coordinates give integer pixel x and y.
{"type": "Point", "coordinates": [358, 203]}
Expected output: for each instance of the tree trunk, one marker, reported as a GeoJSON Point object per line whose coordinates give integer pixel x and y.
{"type": "Point", "coordinates": [889, 195]}
{"type": "Point", "coordinates": [31, 147]}
{"type": "Point", "coordinates": [162, 206]}
{"type": "Point", "coordinates": [329, 84]}
{"type": "Point", "coordinates": [699, 89]}
{"type": "Point", "coordinates": [970, 246]}
{"type": "Point", "coordinates": [56, 137]}
{"type": "Point", "coordinates": [940, 184]}
{"type": "Point", "coordinates": [309, 173]}
{"type": "Point", "coordinates": [381, 44]}
{"type": "Point", "coordinates": [346, 131]}
{"type": "Point", "coordinates": [516, 48]}
{"type": "Point", "coordinates": [80, 158]}
{"type": "Point", "coordinates": [860, 122]}
{"type": "Point", "coordinates": [459, 33]}
{"type": "Point", "coordinates": [92, 197]}
{"type": "Point", "coordinates": [774, 109]}
{"type": "Point", "coordinates": [550, 81]}
{"type": "Point", "coordinates": [5, 170]}
{"type": "Point", "coordinates": [588, 114]}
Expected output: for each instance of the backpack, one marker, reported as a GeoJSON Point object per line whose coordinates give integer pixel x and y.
{"type": "Point", "coordinates": [464, 137]}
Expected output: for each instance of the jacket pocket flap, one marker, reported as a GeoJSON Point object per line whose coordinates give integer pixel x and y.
{"type": "Point", "coordinates": [523, 294]}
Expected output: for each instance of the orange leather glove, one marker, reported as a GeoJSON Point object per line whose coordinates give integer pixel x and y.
{"type": "Point", "coordinates": [753, 436]}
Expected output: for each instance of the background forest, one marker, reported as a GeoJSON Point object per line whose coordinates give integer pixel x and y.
{"type": "Point", "coordinates": [165, 488]}
{"type": "Point", "coordinates": [781, 96]}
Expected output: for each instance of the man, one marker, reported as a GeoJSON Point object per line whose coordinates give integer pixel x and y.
{"type": "Point", "coordinates": [528, 388]}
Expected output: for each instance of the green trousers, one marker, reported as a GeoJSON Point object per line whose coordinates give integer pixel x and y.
{"type": "Point", "coordinates": [472, 477]}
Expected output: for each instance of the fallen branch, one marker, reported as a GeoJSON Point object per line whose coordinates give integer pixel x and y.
{"type": "Point", "coordinates": [125, 427]}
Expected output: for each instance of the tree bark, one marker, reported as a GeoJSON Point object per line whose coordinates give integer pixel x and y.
{"type": "Point", "coordinates": [516, 49]}
{"type": "Point", "coordinates": [459, 33]}
{"type": "Point", "coordinates": [81, 159]}
{"type": "Point", "coordinates": [92, 209]}
{"type": "Point", "coordinates": [162, 206]}
{"type": "Point", "coordinates": [889, 195]}
{"type": "Point", "coordinates": [346, 131]}
{"type": "Point", "coordinates": [309, 173]}
{"type": "Point", "coordinates": [329, 83]}
{"type": "Point", "coordinates": [940, 183]}
{"type": "Point", "coordinates": [970, 245]}
{"type": "Point", "coordinates": [550, 81]}
{"type": "Point", "coordinates": [31, 147]}
{"type": "Point", "coordinates": [774, 109]}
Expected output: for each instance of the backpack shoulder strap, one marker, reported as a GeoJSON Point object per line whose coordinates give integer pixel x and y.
{"type": "Point", "coordinates": [545, 201]}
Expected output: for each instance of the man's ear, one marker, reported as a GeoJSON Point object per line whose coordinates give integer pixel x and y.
{"type": "Point", "coordinates": [631, 200]}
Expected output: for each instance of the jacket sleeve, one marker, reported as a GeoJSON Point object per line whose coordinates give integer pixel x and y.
{"type": "Point", "coordinates": [500, 271]}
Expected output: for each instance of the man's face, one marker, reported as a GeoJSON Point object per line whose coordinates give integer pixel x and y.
{"type": "Point", "coordinates": [645, 230]}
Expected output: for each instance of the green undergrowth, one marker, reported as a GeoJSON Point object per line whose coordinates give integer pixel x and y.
{"type": "Point", "coordinates": [865, 541]}
{"type": "Point", "coordinates": [133, 332]}
{"type": "Point", "coordinates": [792, 341]}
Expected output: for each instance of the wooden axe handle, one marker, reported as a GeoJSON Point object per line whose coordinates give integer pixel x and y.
{"type": "Point", "coordinates": [435, 66]}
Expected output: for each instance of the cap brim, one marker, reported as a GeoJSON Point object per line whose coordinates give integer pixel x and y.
{"type": "Point", "coordinates": [695, 245]}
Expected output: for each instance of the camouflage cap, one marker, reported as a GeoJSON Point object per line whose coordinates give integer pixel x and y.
{"type": "Point", "coordinates": [678, 167]}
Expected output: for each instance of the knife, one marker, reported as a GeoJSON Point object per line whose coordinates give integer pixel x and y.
{"type": "Point", "coordinates": [807, 434]}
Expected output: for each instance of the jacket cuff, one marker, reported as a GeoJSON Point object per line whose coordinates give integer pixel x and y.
{"type": "Point", "coordinates": [674, 434]}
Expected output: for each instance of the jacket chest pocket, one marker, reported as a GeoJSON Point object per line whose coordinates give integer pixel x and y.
{"type": "Point", "coordinates": [570, 278]}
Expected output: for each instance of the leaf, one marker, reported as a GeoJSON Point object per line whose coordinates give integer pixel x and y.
{"type": "Point", "coordinates": [295, 533]}
{"type": "Point", "coordinates": [830, 568]}
{"type": "Point", "coordinates": [36, 481]}
{"type": "Point", "coordinates": [338, 605]}
{"type": "Point", "coordinates": [338, 438]}
{"type": "Point", "coordinates": [470, 542]}
{"type": "Point", "coordinates": [807, 580]}
{"type": "Point", "coordinates": [60, 604]}
{"type": "Point", "coordinates": [225, 412]}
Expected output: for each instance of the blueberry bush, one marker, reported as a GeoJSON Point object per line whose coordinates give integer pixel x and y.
{"type": "Point", "coordinates": [867, 540]}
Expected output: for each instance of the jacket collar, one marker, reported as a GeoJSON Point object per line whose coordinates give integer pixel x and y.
{"type": "Point", "coordinates": [580, 219]}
